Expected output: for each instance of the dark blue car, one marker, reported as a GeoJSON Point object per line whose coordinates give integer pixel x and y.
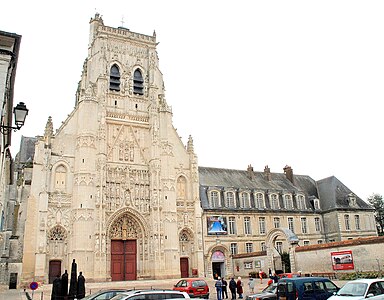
{"type": "Point", "coordinates": [305, 288]}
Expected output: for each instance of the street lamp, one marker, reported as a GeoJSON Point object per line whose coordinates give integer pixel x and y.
{"type": "Point", "coordinates": [20, 112]}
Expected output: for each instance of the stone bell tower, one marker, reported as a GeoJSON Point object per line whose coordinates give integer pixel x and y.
{"type": "Point", "coordinates": [128, 207]}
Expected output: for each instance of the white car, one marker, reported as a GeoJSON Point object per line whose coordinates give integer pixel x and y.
{"type": "Point", "coordinates": [152, 295]}
{"type": "Point", "coordinates": [361, 289]}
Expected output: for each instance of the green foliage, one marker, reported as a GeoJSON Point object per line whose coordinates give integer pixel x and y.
{"type": "Point", "coordinates": [360, 274]}
{"type": "Point", "coordinates": [377, 202]}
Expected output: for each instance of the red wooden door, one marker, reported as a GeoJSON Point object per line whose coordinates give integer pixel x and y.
{"type": "Point", "coordinates": [54, 270]}
{"type": "Point", "coordinates": [130, 260]}
{"type": "Point", "coordinates": [123, 260]}
{"type": "Point", "coordinates": [184, 267]}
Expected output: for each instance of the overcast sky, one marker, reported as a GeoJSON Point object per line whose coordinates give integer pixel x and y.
{"type": "Point", "coordinates": [275, 83]}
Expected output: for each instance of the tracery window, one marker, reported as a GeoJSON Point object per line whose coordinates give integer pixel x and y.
{"type": "Point", "coordinates": [57, 233]}
{"type": "Point", "coordinates": [114, 78]}
{"type": "Point", "coordinates": [138, 82]}
{"type": "Point", "coordinates": [60, 178]}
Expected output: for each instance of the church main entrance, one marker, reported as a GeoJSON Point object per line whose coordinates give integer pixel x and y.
{"type": "Point", "coordinates": [123, 260]}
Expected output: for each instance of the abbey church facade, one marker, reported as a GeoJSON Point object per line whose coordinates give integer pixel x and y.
{"type": "Point", "coordinates": [115, 188]}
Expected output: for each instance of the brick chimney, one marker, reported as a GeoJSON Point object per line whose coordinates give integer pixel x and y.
{"type": "Point", "coordinates": [288, 173]}
{"type": "Point", "coordinates": [267, 173]}
{"type": "Point", "coordinates": [251, 175]}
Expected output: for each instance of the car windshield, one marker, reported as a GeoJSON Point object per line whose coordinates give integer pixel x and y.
{"type": "Point", "coordinates": [353, 289]}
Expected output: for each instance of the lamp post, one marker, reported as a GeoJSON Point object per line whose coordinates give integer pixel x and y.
{"type": "Point", "coordinates": [20, 112]}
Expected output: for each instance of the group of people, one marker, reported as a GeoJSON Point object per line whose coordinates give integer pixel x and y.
{"type": "Point", "coordinates": [236, 287]}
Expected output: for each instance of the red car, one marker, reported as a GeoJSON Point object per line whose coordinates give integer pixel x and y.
{"type": "Point", "coordinates": [195, 287]}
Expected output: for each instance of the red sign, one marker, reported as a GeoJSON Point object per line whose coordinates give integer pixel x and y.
{"type": "Point", "coordinates": [342, 260]}
{"type": "Point", "coordinates": [33, 285]}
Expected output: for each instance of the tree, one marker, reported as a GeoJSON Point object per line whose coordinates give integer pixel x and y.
{"type": "Point", "coordinates": [377, 202]}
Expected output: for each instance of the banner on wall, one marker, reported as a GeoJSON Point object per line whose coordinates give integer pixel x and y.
{"type": "Point", "coordinates": [217, 225]}
{"type": "Point", "coordinates": [342, 260]}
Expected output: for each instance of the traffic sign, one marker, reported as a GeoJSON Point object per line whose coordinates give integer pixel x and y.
{"type": "Point", "coordinates": [34, 285]}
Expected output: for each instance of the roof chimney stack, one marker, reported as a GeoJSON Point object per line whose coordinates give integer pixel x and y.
{"type": "Point", "coordinates": [288, 173]}
{"type": "Point", "coordinates": [267, 173]}
{"type": "Point", "coordinates": [251, 175]}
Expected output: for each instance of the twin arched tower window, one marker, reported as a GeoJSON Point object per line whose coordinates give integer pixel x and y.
{"type": "Point", "coordinates": [138, 81]}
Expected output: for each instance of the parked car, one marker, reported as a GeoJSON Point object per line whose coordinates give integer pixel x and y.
{"type": "Point", "coordinates": [361, 289]}
{"type": "Point", "coordinates": [104, 294]}
{"type": "Point", "coordinates": [195, 287]}
{"type": "Point", "coordinates": [270, 293]}
{"type": "Point", "coordinates": [305, 288]}
{"type": "Point", "coordinates": [152, 295]}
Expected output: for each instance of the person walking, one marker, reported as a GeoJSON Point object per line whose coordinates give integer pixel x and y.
{"type": "Point", "coordinates": [251, 284]}
{"type": "Point", "coordinates": [239, 287]}
{"type": "Point", "coordinates": [218, 286]}
{"type": "Point", "coordinates": [261, 276]}
{"type": "Point", "coordinates": [232, 288]}
{"type": "Point", "coordinates": [224, 288]}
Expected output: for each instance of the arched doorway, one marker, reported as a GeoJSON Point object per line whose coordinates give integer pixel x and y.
{"type": "Point", "coordinates": [280, 241]}
{"type": "Point", "coordinates": [186, 251]}
{"type": "Point", "coordinates": [126, 233]}
{"type": "Point", "coordinates": [218, 264]}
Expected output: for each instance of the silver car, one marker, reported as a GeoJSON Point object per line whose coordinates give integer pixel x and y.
{"type": "Point", "coordinates": [152, 295]}
{"type": "Point", "coordinates": [361, 289]}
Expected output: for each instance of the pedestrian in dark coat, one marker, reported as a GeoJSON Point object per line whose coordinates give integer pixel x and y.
{"type": "Point", "coordinates": [232, 288]}
{"type": "Point", "coordinates": [224, 288]}
{"type": "Point", "coordinates": [80, 286]}
{"type": "Point", "coordinates": [64, 284]}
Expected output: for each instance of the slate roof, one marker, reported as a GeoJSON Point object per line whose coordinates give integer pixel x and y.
{"type": "Point", "coordinates": [27, 150]}
{"type": "Point", "coordinates": [333, 194]}
{"type": "Point", "coordinates": [240, 179]}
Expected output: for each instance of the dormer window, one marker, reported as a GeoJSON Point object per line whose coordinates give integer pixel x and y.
{"type": "Point", "coordinates": [230, 200]}
{"type": "Point", "coordinates": [300, 202]}
{"type": "Point", "coordinates": [274, 201]}
{"type": "Point", "coordinates": [316, 204]}
{"type": "Point", "coordinates": [214, 199]}
{"type": "Point", "coordinates": [288, 203]}
{"type": "Point", "coordinates": [114, 79]}
{"type": "Point", "coordinates": [259, 200]}
{"type": "Point", "coordinates": [138, 82]}
{"type": "Point", "coordinates": [352, 200]}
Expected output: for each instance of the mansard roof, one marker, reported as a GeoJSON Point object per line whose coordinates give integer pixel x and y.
{"type": "Point", "coordinates": [331, 192]}
{"type": "Point", "coordinates": [242, 179]}
{"type": "Point", "coordinates": [335, 195]}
